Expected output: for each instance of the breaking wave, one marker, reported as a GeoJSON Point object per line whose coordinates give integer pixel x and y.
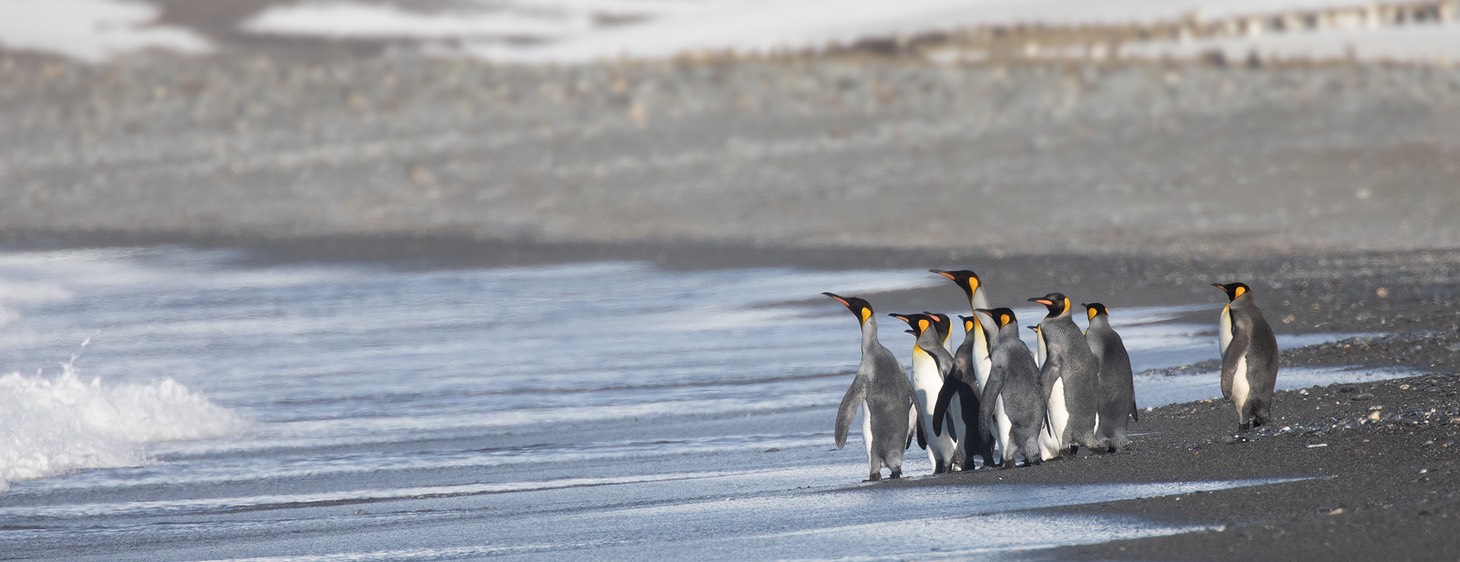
{"type": "Point", "coordinates": [52, 425]}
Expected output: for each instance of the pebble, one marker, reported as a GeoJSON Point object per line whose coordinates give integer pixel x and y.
{"type": "Point", "coordinates": [1363, 396]}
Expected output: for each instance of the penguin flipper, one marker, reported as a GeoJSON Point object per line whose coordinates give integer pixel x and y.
{"type": "Point", "coordinates": [856, 394]}
{"type": "Point", "coordinates": [991, 392]}
{"type": "Point", "coordinates": [1048, 374]}
{"type": "Point", "coordinates": [940, 409]}
{"type": "Point", "coordinates": [1235, 350]}
{"type": "Point", "coordinates": [922, 437]}
{"type": "Point", "coordinates": [1135, 411]}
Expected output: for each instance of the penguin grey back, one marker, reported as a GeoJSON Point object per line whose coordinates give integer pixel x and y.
{"type": "Point", "coordinates": [884, 389]}
{"type": "Point", "coordinates": [1069, 358]}
{"type": "Point", "coordinates": [1016, 380]}
{"type": "Point", "coordinates": [1117, 384]}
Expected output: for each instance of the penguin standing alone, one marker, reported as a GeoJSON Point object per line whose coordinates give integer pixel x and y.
{"type": "Point", "coordinates": [1249, 357]}
{"type": "Point", "coordinates": [882, 388]}
{"type": "Point", "coordinates": [1117, 384]}
{"type": "Point", "coordinates": [931, 362]}
{"type": "Point", "coordinates": [1014, 384]}
{"type": "Point", "coordinates": [1069, 361]}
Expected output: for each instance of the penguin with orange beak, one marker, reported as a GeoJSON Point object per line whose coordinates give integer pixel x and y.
{"type": "Point", "coordinates": [882, 389]}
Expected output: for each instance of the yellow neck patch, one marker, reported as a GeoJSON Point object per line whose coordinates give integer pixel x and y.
{"type": "Point", "coordinates": [866, 313]}
{"type": "Point", "coordinates": [1091, 312]}
{"type": "Point", "coordinates": [922, 326]}
{"type": "Point", "coordinates": [1239, 291]}
{"type": "Point", "coordinates": [968, 325]}
{"type": "Point", "coordinates": [1067, 306]}
{"type": "Point", "coordinates": [1003, 320]}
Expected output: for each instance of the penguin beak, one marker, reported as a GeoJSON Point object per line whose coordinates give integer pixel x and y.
{"type": "Point", "coordinates": [943, 273]}
{"type": "Point", "coordinates": [839, 299]}
{"type": "Point", "coordinates": [1219, 286]}
{"type": "Point", "coordinates": [1043, 301]}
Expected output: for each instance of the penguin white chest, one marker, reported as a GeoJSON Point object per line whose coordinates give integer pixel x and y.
{"type": "Point", "coordinates": [983, 363]}
{"type": "Point", "coordinates": [1240, 388]}
{"type": "Point", "coordinates": [867, 429]}
{"type": "Point", "coordinates": [1059, 412]}
{"type": "Point", "coordinates": [1224, 330]}
{"type": "Point", "coordinates": [1001, 419]}
{"type": "Point", "coordinates": [927, 382]}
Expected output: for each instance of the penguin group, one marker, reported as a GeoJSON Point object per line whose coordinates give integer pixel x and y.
{"type": "Point", "coordinates": [991, 401]}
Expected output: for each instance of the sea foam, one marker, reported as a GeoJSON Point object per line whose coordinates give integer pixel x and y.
{"type": "Point", "coordinates": [51, 425]}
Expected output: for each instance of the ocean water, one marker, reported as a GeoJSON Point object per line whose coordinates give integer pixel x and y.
{"type": "Point", "coordinates": [171, 403]}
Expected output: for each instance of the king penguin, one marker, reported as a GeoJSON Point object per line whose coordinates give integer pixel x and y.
{"type": "Point", "coordinates": [931, 363]}
{"type": "Point", "coordinates": [1071, 366]}
{"type": "Point", "coordinates": [1014, 385]}
{"type": "Point", "coordinates": [976, 439]}
{"type": "Point", "coordinates": [972, 287]}
{"type": "Point", "coordinates": [1117, 385]}
{"type": "Point", "coordinates": [981, 333]}
{"type": "Point", "coordinates": [882, 388]}
{"type": "Point", "coordinates": [1249, 357]}
{"type": "Point", "coordinates": [1049, 439]}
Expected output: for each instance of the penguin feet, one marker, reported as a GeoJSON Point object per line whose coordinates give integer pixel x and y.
{"type": "Point", "coordinates": [896, 473]}
{"type": "Point", "coordinates": [875, 476]}
{"type": "Point", "coordinates": [1244, 427]}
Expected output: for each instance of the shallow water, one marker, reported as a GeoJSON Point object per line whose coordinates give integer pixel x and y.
{"type": "Point", "coordinates": [223, 409]}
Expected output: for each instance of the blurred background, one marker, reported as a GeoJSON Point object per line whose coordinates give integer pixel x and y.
{"type": "Point", "coordinates": [1006, 125]}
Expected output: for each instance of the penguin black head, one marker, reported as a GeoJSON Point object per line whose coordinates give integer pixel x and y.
{"type": "Point", "coordinates": [917, 322]}
{"type": "Point", "coordinates": [968, 322]}
{"type": "Point", "coordinates": [1002, 316]}
{"type": "Point", "coordinates": [860, 308]}
{"type": "Point", "coordinates": [941, 322]}
{"type": "Point", "coordinates": [1057, 303]}
{"type": "Point", "coordinates": [966, 280]}
{"type": "Point", "coordinates": [1095, 309]}
{"type": "Point", "coordinates": [1233, 290]}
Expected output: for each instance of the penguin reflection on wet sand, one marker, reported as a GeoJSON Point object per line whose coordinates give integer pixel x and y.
{"type": "Point", "coordinates": [1014, 384]}
{"type": "Point", "coordinates": [883, 390]}
{"type": "Point", "coordinates": [931, 363]}
{"type": "Point", "coordinates": [1117, 384]}
{"type": "Point", "coordinates": [1249, 357]}
{"type": "Point", "coordinates": [1070, 365]}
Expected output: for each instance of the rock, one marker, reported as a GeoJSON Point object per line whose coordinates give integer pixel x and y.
{"type": "Point", "coordinates": [1362, 396]}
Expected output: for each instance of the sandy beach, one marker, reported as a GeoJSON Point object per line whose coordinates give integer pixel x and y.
{"type": "Point", "coordinates": [1332, 188]}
